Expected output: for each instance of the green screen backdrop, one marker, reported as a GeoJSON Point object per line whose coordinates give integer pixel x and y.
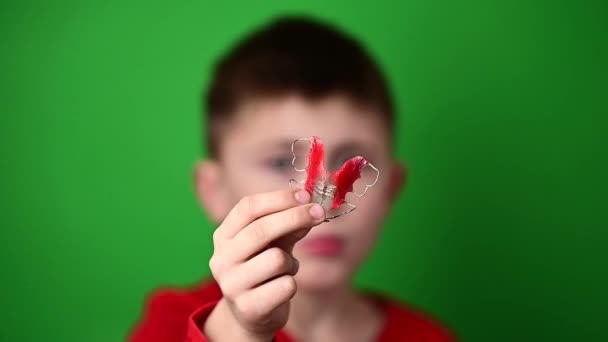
{"type": "Point", "coordinates": [501, 231]}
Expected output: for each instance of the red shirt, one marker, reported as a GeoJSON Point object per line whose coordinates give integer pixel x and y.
{"type": "Point", "coordinates": [178, 316]}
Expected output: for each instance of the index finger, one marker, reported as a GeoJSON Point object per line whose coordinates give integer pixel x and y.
{"type": "Point", "coordinates": [262, 232]}
{"type": "Point", "coordinates": [250, 208]}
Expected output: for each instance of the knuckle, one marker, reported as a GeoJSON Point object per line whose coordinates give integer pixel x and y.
{"type": "Point", "coordinates": [278, 259]}
{"type": "Point", "coordinates": [213, 264]}
{"type": "Point", "coordinates": [216, 238]}
{"type": "Point", "coordinates": [216, 265]}
{"type": "Point", "coordinates": [289, 286]}
{"type": "Point", "coordinates": [298, 217]}
{"type": "Point", "coordinates": [245, 207]}
{"type": "Point", "coordinates": [227, 287]}
{"type": "Point", "coordinates": [257, 231]}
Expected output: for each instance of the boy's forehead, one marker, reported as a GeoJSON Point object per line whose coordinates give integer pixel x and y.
{"type": "Point", "coordinates": [277, 122]}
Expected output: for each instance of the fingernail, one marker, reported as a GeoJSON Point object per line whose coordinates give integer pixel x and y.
{"type": "Point", "coordinates": [302, 196]}
{"type": "Point", "coordinates": [317, 212]}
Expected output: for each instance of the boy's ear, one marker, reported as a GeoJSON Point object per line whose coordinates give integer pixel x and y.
{"type": "Point", "coordinates": [209, 189]}
{"type": "Point", "coordinates": [398, 181]}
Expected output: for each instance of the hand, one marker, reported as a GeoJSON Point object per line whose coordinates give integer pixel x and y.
{"type": "Point", "coordinates": [253, 264]}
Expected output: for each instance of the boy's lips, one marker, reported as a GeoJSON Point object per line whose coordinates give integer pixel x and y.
{"type": "Point", "coordinates": [323, 245]}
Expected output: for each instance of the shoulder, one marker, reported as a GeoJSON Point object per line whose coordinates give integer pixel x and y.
{"type": "Point", "coordinates": [406, 322]}
{"type": "Point", "coordinates": [194, 296]}
{"type": "Point", "coordinates": [166, 311]}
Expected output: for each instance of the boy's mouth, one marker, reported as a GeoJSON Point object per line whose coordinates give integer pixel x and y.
{"type": "Point", "coordinates": [323, 245]}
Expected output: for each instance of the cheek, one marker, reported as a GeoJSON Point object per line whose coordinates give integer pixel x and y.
{"type": "Point", "coordinates": [247, 180]}
{"type": "Point", "coordinates": [363, 225]}
{"type": "Point", "coordinates": [362, 229]}
{"type": "Point", "coordinates": [373, 206]}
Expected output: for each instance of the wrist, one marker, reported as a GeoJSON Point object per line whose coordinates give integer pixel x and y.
{"type": "Point", "coordinates": [221, 326]}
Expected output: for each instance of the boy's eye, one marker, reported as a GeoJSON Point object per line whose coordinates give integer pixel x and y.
{"type": "Point", "coordinates": [338, 162]}
{"type": "Point", "coordinates": [280, 163]}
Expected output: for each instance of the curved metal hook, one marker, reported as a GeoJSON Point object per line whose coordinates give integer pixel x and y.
{"type": "Point", "coordinates": [293, 161]}
{"type": "Point", "coordinates": [373, 183]}
{"type": "Point", "coordinates": [352, 207]}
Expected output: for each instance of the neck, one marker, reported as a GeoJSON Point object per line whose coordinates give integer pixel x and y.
{"type": "Point", "coordinates": [321, 315]}
{"type": "Point", "coordinates": [311, 307]}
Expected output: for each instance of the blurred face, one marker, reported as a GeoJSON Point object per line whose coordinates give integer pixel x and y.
{"type": "Point", "coordinates": [255, 156]}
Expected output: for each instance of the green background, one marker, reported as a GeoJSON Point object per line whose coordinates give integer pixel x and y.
{"type": "Point", "coordinates": [501, 232]}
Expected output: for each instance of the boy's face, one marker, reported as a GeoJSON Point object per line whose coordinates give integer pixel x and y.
{"type": "Point", "coordinates": [255, 156]}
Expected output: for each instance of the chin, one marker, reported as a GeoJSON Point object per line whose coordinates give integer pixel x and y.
{"type": "Point", "coordinates": [319, 274]}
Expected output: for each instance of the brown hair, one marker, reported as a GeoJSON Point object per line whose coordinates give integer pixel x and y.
{"type": "Point", "coordinates": [299, 56]}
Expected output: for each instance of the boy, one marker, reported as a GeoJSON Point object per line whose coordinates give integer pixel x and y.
{"type": "Point", "coordinates": [295, 78]}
